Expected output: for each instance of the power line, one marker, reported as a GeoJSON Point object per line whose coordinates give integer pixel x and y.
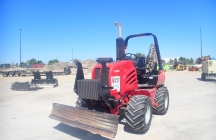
{"type": "Point", "coordinates": [20, 47]}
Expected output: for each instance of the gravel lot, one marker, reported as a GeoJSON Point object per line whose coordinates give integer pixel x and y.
{"type": "Point", "coordinates": [191, 115]}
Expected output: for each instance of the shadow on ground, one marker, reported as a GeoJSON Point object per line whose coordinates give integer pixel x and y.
{"type": "Point", "coordinates": [78, 133]}
{"type": "Point", "coordinates": [207, 80]}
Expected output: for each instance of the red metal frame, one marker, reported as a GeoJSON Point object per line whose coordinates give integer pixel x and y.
{"type": "Point", "coordinates": [128, 82]}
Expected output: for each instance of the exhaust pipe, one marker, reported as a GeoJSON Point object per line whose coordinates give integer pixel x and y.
{"type": "Point", "coordinates": [119, 29]}
{"type": "Point", "coordinates": [120, 44]}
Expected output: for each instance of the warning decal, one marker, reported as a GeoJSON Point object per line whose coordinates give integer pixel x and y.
{"type": "Point", "coordinates": [115, 80]}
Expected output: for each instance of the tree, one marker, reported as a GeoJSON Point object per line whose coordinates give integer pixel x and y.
{"type": "Point", "coordinates": [199, 61]}
{"type": "Point", "coordinates": [75, 60]}
{"type": "Point", "coordinates": [175, 63]}
{"type": "Point", "coordinates": [40, 62]}
{"type": "Point", "coordinates": [32, 61]}
{"type": "Point", "coordinates": [23, 64]}
{"type": "Point", "coordinates": [191, 61]}
{"type": "Point", "coordinates": [139, 54]}
{"type": "Point", "coordinates": [182, 59]}
{"type": "Point", "coordinates": [53, 61]}
{"type": "Point", "coordinates": [170, 61]}
{"type": "Point", "coordinates": [163, 61]}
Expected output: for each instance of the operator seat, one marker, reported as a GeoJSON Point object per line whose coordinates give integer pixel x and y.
{"type": "Point", "coordinates": [107, 60]}
{"type": "Point", "coordinates": [140, 65]}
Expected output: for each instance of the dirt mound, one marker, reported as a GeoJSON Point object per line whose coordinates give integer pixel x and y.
{"type": "Point", "coordinates": [57, 67]}
{"type": "Point", "coordinates": [89, 64]}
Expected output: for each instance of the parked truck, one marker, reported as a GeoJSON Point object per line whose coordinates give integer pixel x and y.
{"type": "Point", "coordinates": [209, 69]}
{"type": "Point", "coordinates": [17, 73]}
{"type": "Point", "coordinates": [37, 66]}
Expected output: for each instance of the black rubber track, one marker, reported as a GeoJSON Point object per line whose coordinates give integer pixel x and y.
{"type": "Point", "coordinates": [135, 116]}
{"type": "Point", "coordinates": [79, 102]}
{"type": "Point", "coordinates": [160, 99]}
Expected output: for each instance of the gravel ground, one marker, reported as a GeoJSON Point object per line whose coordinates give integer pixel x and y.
{"type": "Point", "coordinates": [191, 115]}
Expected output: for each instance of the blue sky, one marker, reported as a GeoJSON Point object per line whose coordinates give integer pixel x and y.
{"type": "Point", "coordinates": [51, 28]}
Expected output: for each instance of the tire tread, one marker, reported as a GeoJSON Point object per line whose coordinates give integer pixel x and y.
{"type": "Point", "coordinates": [135, 116]}
{"type": "Point", "coordinates": [160, 99]}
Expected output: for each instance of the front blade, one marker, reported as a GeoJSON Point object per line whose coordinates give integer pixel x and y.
{"type": "Point", "coordinates": [95, 122]}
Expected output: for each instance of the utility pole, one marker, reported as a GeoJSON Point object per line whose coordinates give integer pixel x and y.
{"type": "Point", "coordinates": [195, 53]}
{"type": "Point", "coordinates": [20, 47]}
{"type": "Point", "coordinates": [72, 54]}
{"type": "Point", "coordinates": [201, 40]}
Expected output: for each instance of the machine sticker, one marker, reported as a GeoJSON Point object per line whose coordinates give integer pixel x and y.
{"type": "Point", "coordinates": [116, 70]}
{"type": "Point", "coordinates": [115, 80]}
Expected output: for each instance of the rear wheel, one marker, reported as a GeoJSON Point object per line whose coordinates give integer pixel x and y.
{"type": "Point", "coordinates": [17, 74]}
{"type": "Point", "coordinates": [11, 73]}
{"type": "Point", "coordinates": [162, 98]}
{"type": "Point", "coordinates": [5, 74]}
{"type": "Point", "coordinates": [139, 113]}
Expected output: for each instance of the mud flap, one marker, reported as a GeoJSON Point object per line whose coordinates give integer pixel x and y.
{"type": "Point", "coordinates": [95, 122]}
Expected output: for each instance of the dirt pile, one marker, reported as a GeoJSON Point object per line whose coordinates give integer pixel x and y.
{"type": "Point", "coordinates": [89, 64]}
{"type": "Point", "coordinates": [57, 67]}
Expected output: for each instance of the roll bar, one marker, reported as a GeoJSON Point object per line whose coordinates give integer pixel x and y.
{"type": "Point", "coordinates": [155, 43]}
